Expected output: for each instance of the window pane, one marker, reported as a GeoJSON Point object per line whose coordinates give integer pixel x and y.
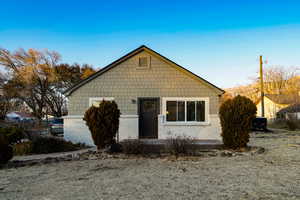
{"type": "Point", "coordinates": [171, 110]}
{"type": "Point", "coordinates": [201, 111]}
{"type": "Point", "coordinates": [181, 111]}
{"type": "Point", "coordinates": [191, 111]}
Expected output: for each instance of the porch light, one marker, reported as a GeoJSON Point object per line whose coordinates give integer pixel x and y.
{"type": "Point", "coordinates": [133, 101]}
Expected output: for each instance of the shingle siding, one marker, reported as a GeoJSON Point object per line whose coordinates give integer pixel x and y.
{"type": "Point", "coordinates": [125, 82]}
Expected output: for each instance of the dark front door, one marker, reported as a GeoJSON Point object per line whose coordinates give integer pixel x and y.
{"type": "Point", "coordinates": [148, 117]}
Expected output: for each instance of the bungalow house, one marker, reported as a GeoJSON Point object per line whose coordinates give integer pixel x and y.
{"type": "Point", "coordinates": [274, 103]}
{"type": "Point", "coordinates": [157, 99]}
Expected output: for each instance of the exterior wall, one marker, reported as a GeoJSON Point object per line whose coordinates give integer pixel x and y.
{"type": "Point", "coordinates": [271, 108]}
{"type": "Point", "coordinates": [75, 129]}
{"type": "Point", "coordinates": [210, 131]}
{"type": "Point", "coordinates": [126, 83]}
{"type": "Point", "coordinates": [295, 115]}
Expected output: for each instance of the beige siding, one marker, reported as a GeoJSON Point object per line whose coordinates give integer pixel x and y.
{"type": "Point", "coordinates": [271, 108]}
{"type": "Point", "coordinates": [125, 82]}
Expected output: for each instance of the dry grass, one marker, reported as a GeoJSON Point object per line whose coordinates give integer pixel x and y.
{"type": "Point", "coordinates": [271, 175]}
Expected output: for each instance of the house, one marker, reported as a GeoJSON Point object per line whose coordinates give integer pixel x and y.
{"type": "Point", "coordinates": [157, 99]}
{"type": "Point", "coordinates": [274, 103]}
{"type": "Point", "coordinates": [290, 112]}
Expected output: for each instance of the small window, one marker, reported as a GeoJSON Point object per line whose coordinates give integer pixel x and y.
{"type": "Point", "coordinates": [143, 62]}
{"type": "Point", "coordinates": [95, 101]}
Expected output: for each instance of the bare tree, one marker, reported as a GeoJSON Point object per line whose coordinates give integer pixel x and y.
{"type": "Point", "coordinates": [280, 80]}
{"type": "Point", "coordinates": [36, 78]}
{"type": "Point", "coordinates": [277, 80]}
{"type": "Point", "coordinates": [31, 76]}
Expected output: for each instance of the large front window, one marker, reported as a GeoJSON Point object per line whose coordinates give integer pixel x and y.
{"type": "Point", "coordinates": [186, 109]}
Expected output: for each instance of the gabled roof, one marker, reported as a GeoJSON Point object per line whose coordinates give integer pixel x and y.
{"type": "Point", "coordinates": [70, 90]}
{"type": "Point", "coordinates": [283, 98]}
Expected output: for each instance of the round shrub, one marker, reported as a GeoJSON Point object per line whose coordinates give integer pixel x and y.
{"type": "Point", "coordinates": [103, 123]}
{"type": "Point", "coordinates": [6, 151]}
{"type": "Point", "coordinates": [13, 134]}
{"type": "Point", "coordinates": [236, 117]}
{"type": "Point", "coordinates": [45, 144]}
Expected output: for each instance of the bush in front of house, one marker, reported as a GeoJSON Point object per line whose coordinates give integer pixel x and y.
{"type": "Point", "coordinates": [6, 151]}
{"type": "Point", "coordinates": [8, 137]}
{"type": "Point", "coordinates": [180, 146]}
{"type": "Point", "coordinates": [13, 134]}
{"type": "Point", "coordinates": [41, 145]}
{"type": "Point", "coordinates": [236, 116]}
{"type": "Point", "coordinates": [292, 123]}
{"type": "Point", "coordinates": [22, 148]}
{"type": "Point", "coordinates": [133, 147]}
{"type": "Point", "coordinates": [103, 123]}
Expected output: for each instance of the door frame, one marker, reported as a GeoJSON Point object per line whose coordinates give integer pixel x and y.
{"type": "Point", "coordinates": [139, 99]}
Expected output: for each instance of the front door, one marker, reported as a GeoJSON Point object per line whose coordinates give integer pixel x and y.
{"type": "Point", "coordinates": [148, 117]}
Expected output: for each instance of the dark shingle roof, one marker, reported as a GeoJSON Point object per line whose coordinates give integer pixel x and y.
{"type": "Point", "coordinates": [290, 109]}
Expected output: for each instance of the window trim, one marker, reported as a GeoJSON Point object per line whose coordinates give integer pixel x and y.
{"type": "Point", "coordinates": [186, 99]}
{"type": "Point", "coordinates": [91, 99]}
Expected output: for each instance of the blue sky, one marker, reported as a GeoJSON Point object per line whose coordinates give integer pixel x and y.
{"type": "Point", "coordinates": [220, 40]}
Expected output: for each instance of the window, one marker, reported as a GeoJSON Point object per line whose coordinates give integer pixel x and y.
{"type": "Point", "coordinates": [186, 109]}
{"type": "Point", "coordinates": [144, 62]}
{"type": "Point", "coordinates": [95, 101]}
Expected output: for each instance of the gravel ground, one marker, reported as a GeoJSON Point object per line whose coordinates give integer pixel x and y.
{"type": "Point", "coordinates": [274, 174]}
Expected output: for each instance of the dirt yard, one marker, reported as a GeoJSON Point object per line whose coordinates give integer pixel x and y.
{"type": "Point", "coordinates": [274, 174]}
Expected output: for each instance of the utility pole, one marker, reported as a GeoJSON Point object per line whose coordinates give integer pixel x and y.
{"type": "Point", "coordinates": [262, 87]}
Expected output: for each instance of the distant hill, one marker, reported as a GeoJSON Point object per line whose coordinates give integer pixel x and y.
{"type": "Point", "coordinates": [280, 86]}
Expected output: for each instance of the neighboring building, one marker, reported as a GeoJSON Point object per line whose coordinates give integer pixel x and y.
{"type": "Point", "coordinates": [157, 99]}
{"type": "Point", "coordinates": [290, 112]}
{"type": "Point", "coordinates": [274, 103]}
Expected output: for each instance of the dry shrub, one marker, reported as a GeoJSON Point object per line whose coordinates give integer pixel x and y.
{"type": "Point", "coordinates": [51, 144]}
{"type": "Point", "coordinates": [292, 124]}
{"type": "Point", "coordinates": [23, 148]}
{"type": "Point", "coordinates": [133, 147]}
{"type": "Point", "coordinates": [180, 146]}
